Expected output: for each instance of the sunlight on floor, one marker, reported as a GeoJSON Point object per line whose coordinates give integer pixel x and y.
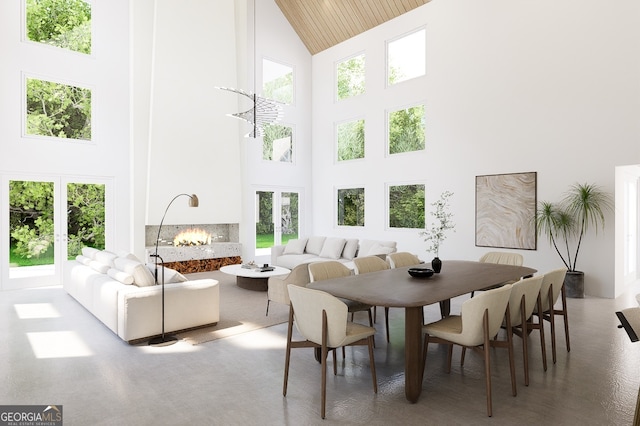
{"type": "Point", "coordinates": [58, 344]}
{"type": "Point", "coordinates": [179, 347]}
{"type": "Point", "coordinates": [36, 310]}
{"type": "Point", "coordinates": [264, 339]}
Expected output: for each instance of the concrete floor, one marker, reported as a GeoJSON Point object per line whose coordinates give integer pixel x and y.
{"type": "Point", "coordinates": [55, 352]}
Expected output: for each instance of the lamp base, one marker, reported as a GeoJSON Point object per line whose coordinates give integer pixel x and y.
{"type": "Point", "coordinates": [165, 340]}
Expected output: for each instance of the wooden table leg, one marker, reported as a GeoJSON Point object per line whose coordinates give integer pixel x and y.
{"type": "Point", "coordinates": [413, 353]}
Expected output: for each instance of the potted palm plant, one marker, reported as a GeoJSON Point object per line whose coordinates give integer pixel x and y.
{"type": "Point", "coordinates": [566, 222]}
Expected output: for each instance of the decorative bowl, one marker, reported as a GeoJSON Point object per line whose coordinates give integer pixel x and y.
{"type": "Point", "coordinates": [420, 272]}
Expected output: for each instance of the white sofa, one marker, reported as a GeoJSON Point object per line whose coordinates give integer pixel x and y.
{"type": "Point", "coordinates": [320, 248]}
{"type": "Point", "coordinates": [135, 312]}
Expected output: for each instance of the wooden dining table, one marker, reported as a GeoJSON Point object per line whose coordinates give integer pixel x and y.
{"type": "Point", "coordinates": [395, 288]}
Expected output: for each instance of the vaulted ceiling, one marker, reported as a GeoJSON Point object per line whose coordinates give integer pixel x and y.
{"type": "Point", "coordinates": [321, 24]}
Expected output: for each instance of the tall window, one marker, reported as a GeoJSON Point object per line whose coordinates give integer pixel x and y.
{"type": "Point", "coordinates": [406, 57]}
{"type": "Point", "coordinates": [350, 140]}
{"type": "Point", "coordinates": [406, 206]}
{"type": "Point", "coordinates": [60, 23]}
{"type": "Point", "coordinates": [407, 130]}
{"type": "Point", "coordinates": [277, 81]}
{"type": "Point", "coordinates": [277, 143]}
{"type": "Point", "coordinates": [350, 77]}
{"type": "Point", "coordinates": [57, 110]}
{"type": "Point", "coordinates": [351, 207]}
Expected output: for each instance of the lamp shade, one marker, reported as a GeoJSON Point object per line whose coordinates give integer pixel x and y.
{"type": "Point", "coordinates": [193, 200]}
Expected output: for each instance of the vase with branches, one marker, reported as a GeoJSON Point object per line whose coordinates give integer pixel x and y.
{"type": "Point", "coordinates": [437, 232]}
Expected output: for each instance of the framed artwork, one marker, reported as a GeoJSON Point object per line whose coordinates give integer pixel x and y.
{"type": "Point", "coordinates": [505, 211]}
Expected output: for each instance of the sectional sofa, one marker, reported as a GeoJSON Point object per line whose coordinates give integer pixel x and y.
{"type": "Point", "coordinates": [121, 291]}
{"type": "Point", "coordinates": [321, 248]}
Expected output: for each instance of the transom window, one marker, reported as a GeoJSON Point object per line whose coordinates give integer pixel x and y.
{"type": "Point", "coordinates": [406, 57]}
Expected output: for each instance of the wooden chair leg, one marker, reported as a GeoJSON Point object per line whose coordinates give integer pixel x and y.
{"type": "Point", "coordinates": [425, 348]}
{"type": "Point", "coordinates": [487, 363]}
{"type": "Point", "coordinates": [449, 356]}
{"type": "Point", "coordinates": [386, 321]}
{"type": "Point", "coordinates": [288, 352]}
{"type": "Point", "coordinates": [552, 321]}
{"type": "Point", "coordinates": [323, 403]}
{"type": "Point", "coordinates": [372, 364]}
{"type": "Point", "coordinates": [267, 313]}
{"type": "Point", "coordinates": [525, 344]}
{"type": "Point", "coordinates": [541, 330]}
{"type": "Point", "coordinates": [566, 319]}
{"type": "Point", "coordinates": [512, 365]}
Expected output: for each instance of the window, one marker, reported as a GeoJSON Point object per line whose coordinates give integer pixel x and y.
{"type": "Point", "coordinates": [350, 140]}
{"type": "Point", "coordinates": [350, 79]}
{"type": "Point", "coordinates": [58, 110]}
{"type": "Point", "coordinates": [351, 207]}
{"type": "Point", "coordinates": [277, 81]}
{"type": "Point", "coordinates": [406, 57]}
{"type": "Point", "coordinates": [277, 143]}
{"type": "Point", "coordinates": [406, 206]}
{"type": "Point", "coordinates": [60, 23]}
{"type": "Point", "coordinates": [407, 130]}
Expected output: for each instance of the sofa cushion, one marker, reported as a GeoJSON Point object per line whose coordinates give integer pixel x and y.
{"type": "Point", "coordinates": [332, 248]}
{"type": "Point", "coordinates": [314, 245]}
{"type": "Point", "coordinates": [120, 276]}
{"type": "Point", "coordinates": [350, 248]}
{"type": "Point", "coordinates": [83, 259]}
{"type": "Point", "coordinates": [99, 266]}
{"type": "Point", "coordinates": [295, 246]}
{"type": "Point", "coordinates": [170, 275]}
{"type": "Point", "coordinates": [142, 277]}
{"type": "Point", "coordinates": [290, 261]}
{"type": "Point", "coordinates": [89, 252]}
{"type": "Point", "coordinates": [105, 257]}
{"type": "Point", "coordinates": [372, 247]}
{"type": "Point", "coordinates": [377, 249]}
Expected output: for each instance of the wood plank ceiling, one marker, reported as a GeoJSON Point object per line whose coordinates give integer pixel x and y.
{"type": "Point", "coordinates": [321, 24]}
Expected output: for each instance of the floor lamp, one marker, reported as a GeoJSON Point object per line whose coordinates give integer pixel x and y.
{"type": "Point", "coordinates": [165, 340]}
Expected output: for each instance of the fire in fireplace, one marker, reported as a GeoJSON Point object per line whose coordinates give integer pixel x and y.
{"type": "Point", "coordinates": [192, 237]}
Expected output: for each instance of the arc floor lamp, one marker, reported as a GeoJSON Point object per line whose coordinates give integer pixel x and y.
{"type": "Point", "coordinates": [163, 339]}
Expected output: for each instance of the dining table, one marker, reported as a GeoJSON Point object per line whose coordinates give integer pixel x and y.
{"type": "Point", "coordinates": [395, 288]}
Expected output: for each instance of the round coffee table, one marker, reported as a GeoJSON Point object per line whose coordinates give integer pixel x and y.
{"type": "Point", "coordinates": [251, 279]}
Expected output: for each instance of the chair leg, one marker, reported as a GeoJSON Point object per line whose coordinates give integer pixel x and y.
{"type": "Point", "coordinates": [425, 348]}
{"type": "Point", "coordinates": [464, 352]}
{"type": "Point", "coordinates": [267, 313]}
{"type": "Point", "coordinates": [512, 365]}
{"type": "Point", "coordinates": [542, 338]}
{"type": "Point", "coordinates": [552, 321]}
{"type": "Point", "coordinates": [386, 321]}
{"type": "Point", "coordinates": [449, 356]}
{"type": "Point", "coordinates": [372, 364]}
{"type": "Point", "coordinates": [566, 319]}
{"type": "Point", "coordinates": [487, 362]}
{"type": "Point", "coordinates": [525, 344]}
{"type": "Point", "coordinates": [375, 314]}
{"type": "Point", "coordinates": [323, 391]}
{"type": "Point", "coordinates": [288, 352]}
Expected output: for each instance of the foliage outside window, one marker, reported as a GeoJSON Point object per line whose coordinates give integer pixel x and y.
{"type": "Point", "coordinates": [31, 220]}
{"type": "Point", "coordinates": [289, 216]}
{"type": "Point", "coordinates": [407, 130]}
{"type": "Point", "coordinates": [350, 140]}
{"type": "Point", "coordinates": [277, 81]}
{"type": "Point", "coordinates": [406, 206]}
{"type": "Point", "coordinates": [351, 73]}
{"type": "Point", "coordinates": [277, 143]}
{"type": "Point", "coordinates": [58, 110]}
{"type": "Point", "coordinates": [351, 207]}
{"type": "Point", "coordinates": [60, 23]}
{"type": "Point", "coordinates": [406, 57]}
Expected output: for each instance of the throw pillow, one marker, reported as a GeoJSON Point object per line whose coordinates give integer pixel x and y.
{"type": "Point", "coordinates": [314, 245]}
{"type": "Point", "coordinates": [98, 266]}
{"type": "Point", "coordinates": [105, 257]}
{"type": "Point", "coordinates": [170, 275]}
{"type": "Point", "coordinates": [332, 248]}
{"type": "Point", "coordinates": [128, 255]}
{"type": "Point", "coordinates": [83, 259]}
{"type": "Point", "coordinates": [141, 275]}
{"type": "Point", "coordinates": [379, 249]}
{"type": "Point", "coordinates": [350, 249]}
{"type": "Point", "coordinates": [120, 276]}
{"type": "Point", "coordinates": [295, 246]}
{"type": "Point", "coordinates": [89, 252]}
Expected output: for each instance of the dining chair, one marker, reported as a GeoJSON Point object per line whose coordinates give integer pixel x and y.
{"type": "Point", "coordinates": [366, 264]}
{"type": "Point", "coordinates": [321, 319]}
{"type": "Point", "coordinates": [403, 258]}
{"type": "Point", "coordinates": [553, 288]}
{"type": "Point", "coordinates": [277, 286]}
{"type": "Point", "coordinates": [525, 296]}
{"type": "Point", "coordinates": [476, 327]}
{"type": "Point", "coordinates": [319, 271]}
{"type": "Point", "coordinates": [501, 258]}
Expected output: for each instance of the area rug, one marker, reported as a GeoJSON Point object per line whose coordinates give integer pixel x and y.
{"type": "Point", "coordinates": [240, 311]}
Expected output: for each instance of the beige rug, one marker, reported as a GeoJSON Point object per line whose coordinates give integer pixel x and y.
{"type": "Point", "coordinates": [240, 311]}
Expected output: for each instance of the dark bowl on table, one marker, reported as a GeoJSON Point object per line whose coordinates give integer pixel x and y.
{"type": "Point", "coordinates": [420, 272]}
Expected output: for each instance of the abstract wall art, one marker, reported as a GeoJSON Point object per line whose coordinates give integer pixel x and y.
{"type": "Point", "coordinates": [505, 210]}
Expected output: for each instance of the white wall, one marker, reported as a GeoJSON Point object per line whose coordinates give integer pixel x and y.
{"type": "Point", "coordinates": [550, 87]}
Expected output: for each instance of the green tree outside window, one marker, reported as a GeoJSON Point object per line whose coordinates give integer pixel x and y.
{"type": "Point", "coordinates": [406, 206]}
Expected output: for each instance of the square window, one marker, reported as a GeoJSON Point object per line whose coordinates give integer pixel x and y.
{"type": "Point", "coordinates": [350, 207]}
{"type": "Point", "coordinates": [350, 136]}
{"type": "Point", "coordinates": [351, 78]}
{"type": "Point", "coordinates": [406, 57]}
{"type": "Point", "coordinates": [407, 130]}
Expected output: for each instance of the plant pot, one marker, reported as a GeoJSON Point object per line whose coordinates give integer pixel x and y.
{"type": "Point", "coordinates": [574, 284]}
{"type": "Point", "coordinates": [436, 265]}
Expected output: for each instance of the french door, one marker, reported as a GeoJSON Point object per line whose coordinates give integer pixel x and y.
{"type": "Point", "coordinates": [45, 221]}
{"type": "Point", "coordinates": [277, 218]}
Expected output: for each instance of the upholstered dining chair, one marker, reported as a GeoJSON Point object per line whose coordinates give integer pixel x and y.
{"type": "Point", "coordinates": [277, 286]}
{"type": "Point", "coordinates": [366, 264]}
{"type": "Point", "coordinates": [319, 271]}
{"type": "Point", "coordinates": [501, 258]}
{"type": "Point", "coordinates": [321, 319]}
{"type": "Point", "coordinates": [403, 258]}
{"type": "Point", "coordinates": [525, 296]}
{"type": "Point", "coordinates": [553, 288]}
{"type": "Point", "coordinates": [476, 327]}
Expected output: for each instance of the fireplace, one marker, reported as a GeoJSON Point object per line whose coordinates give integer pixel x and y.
{"type": "Point", "coordinates": [195, 248]}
